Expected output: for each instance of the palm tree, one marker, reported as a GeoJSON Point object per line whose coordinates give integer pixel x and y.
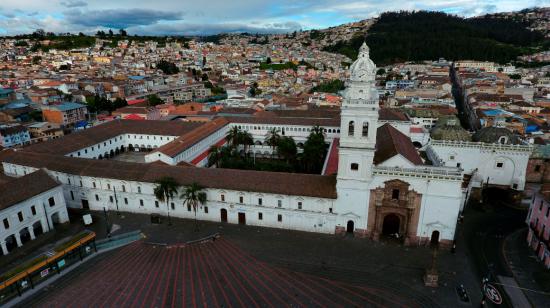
{"type": "Point", "coordinates": [286, 149]}
{"type": "Point", "coordinates": [272, 139]}
{"type": "Point", "coordinates": [315, 150]}
{"type": "Point", "coordinates": [194, 195]}
{"type": "Point", "coordinates": [214, 156]}
{"type": "Point", "coordinates": [232, 137]}
{"type": "Point", "coordinates": [165, 190]}
{"type": "Point", "coordinates": [245, 138]}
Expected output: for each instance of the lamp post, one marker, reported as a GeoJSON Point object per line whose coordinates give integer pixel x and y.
{"type": "Point", "coordinates": [107, 222]}
{"type": "Point", "coordinates": [47, 218]}
{"type": "Point", "coordinates": [168, 211]}
{"type": "Point", "coordinates": [116, 201]}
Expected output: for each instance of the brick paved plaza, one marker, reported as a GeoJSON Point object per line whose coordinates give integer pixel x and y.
{"type": "Point", "coordinates": [249, 266]}
{"type": "Point", "coordinates": [214, 274]}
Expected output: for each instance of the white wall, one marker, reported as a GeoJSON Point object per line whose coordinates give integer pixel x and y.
{"type": "Point", "coordinates": [43, 214]}
{"type": "Point", "coordinates": [482, 160]}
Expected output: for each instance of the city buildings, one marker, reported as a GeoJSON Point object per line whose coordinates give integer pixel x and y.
{"type": "Point", "coordinates": [383, 187]}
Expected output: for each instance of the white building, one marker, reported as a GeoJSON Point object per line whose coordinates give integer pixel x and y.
{"type": "Point", "coordinates": [495, 157]}
{"type": "Point", "coordinates": [29, 206]}
{"type": "Point", "coordinates": [382, 186]}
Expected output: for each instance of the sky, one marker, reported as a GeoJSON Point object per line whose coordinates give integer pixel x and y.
{"type": "Point", "coordinates": [193, 17]}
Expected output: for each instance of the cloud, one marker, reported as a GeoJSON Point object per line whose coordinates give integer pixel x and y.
{"type": "Point", "coordinates": [120, 18]}
{"type": "Point", "coordinates": [215, 16]}
{"type": "Point", "coordinates": [182, 28]}
{"type": "Point", "coordinates": [73, 3]}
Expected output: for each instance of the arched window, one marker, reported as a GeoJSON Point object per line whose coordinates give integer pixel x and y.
{"type": "Point", "coordinates": [351, 128]}
{"type": "Point", "coordinates": [365, 129]}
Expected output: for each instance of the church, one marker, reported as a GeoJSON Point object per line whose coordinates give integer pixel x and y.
{"type": "Point", "coordinates": [380, 186]}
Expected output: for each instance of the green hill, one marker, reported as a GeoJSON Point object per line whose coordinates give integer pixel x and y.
{"type": "Point", "coordinates": [421, 35]}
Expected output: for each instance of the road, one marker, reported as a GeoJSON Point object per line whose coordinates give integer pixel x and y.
{"type": "Point", "coordinates": [485, 229]}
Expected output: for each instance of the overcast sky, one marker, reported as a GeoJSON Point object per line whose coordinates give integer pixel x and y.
{"type": "Point", "coordinates": [191, 17]}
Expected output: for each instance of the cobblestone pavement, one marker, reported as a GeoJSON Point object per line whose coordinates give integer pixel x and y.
{"type": "Point", "coordinates": [522, 261]}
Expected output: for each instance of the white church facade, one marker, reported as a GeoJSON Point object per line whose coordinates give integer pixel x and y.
{"type": "Point", "coordinates": [382, 186]}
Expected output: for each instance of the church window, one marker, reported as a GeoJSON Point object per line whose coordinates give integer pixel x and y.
{"type": "Point", "coordinates": [260, 216]}
{"type": "Point", "coordinates": [365, 129]}
{"type": "Point", "coordinates": [503, 140]}
{"type": "Point", "coordinates": [395, 194]}
{"type": "Point", "coordinates": [500, 165]}
{"type": "Point", "coordinates": [241, 199]}
{"type": "Point", "coordinates": [537, 168]}
{"type": "Point", "coordinates": [260, 201]}
{"type": "Point", "coordinates": [351, 128]}
{"type": "Point", "coordinates": [222, 197]}
{"type": "Point", "coordinates": [279, 218]}
{"type": "Point", "coordinates": [206, 210]}
{"type": "Point", "coordinates": [299, 205]}
{"type": "Point", "coordinates": [355, 166]}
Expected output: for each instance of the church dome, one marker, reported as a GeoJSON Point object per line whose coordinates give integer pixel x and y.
{"type": "Point", "coordinates": [363, 69]}
{"type": "Point", "coordinates": [449, 128]}
{"type": "Point", "coordinates": [496, 135]}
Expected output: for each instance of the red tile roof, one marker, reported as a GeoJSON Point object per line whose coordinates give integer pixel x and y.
{"type": "Point", "coordinates": [391, 142]}
{"type": "Point", "coordinates": [25, 187]}
{"type": "Point", "coordinates": [217, 178]}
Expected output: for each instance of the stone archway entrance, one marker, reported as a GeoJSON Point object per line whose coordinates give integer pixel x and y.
{"type": "Point", "coordinates": [391, 225]}
{"type": "Point", "coordinates": [350, 227]}
{"type": "Point", "coordinates": [434, 241]}
{"type": "Point", "coordinates": [223, 214]}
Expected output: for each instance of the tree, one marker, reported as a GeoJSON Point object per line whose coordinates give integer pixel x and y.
{"type": "Point", "coordinates": [245, 138]}
{"type": "Point", "coordinates": [214, 156]}
{"type": "Point", "coordinates": [165, 190]}
{"type": "Point", "coordinates": [232, 136]}
{"type": "Point", "coordinates": [204, 61]}
{"type": "Point", "coordinates": [286, 149]}
{"type": "Point", "coordinates": [154, 100]}
{"type": "Point", "coordinates": [111, 33]}
{"type": "Point", "coordinates": [268, 60]}
{"type": "Point", "coordinates": [39, 33]}
{"type": "Point", "coordinates": [122, 32]}
{"type": "Point", "coordinates": [272, 139]}
{"type": "Point", "coordinates": [193, 195]}
{"type": "Point", "coordinates": [36, 59]}
{"type": "Point", "coordinates": [167, 67]}
{"type": "Point", "coordinates": [315, 150]}
{"type": "Point", "coordinates": [332, 86]}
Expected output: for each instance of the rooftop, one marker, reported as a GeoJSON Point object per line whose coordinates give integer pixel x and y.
{"type": "Point", "coordinates": [20, 189]}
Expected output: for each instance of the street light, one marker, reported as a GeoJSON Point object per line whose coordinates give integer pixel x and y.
{"type": "Point", "coordinates": [107, 222]}
{"type": "Point", "coordinates": [116, 201]}
{"type": "Point", "coordinates": [168, 212]}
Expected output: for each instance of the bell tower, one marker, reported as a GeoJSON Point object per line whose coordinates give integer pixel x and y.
{"type": "Point", "coordinates": [358, 121]}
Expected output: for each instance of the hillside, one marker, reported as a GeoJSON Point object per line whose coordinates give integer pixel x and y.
{"type": "Point", "coordinates": [416, 36]}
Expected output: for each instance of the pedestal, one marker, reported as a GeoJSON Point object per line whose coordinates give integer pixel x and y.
{"type": "Point", "coordinates": [431, 278]}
